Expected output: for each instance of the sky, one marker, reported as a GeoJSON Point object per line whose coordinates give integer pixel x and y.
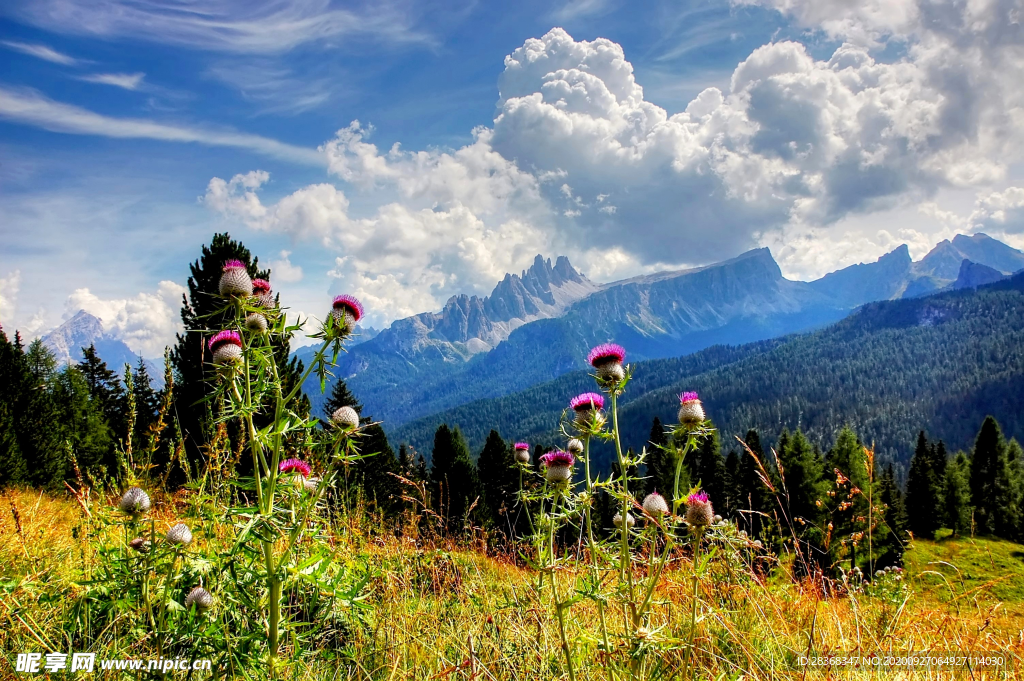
{"type": "Point", "coordinates": [406, 151]}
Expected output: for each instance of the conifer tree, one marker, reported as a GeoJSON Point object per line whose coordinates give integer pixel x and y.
{"type": "Point", "coordinates": [660, 465]}
{"type": "Point", "coordinates": [956, 496]}
{"type": "Point", "coordinates": [499, 479]}
{"type": "Point", "coordinates": [754, 496]}
{"type": "Point", "coordinates": [13, 464]}
{"type": "Point", "coordinates": [147, 404]}
{"type": "Point", "coordinates": [847, 469]}
{"type": "Point", "coordinates": [803, 470]}
{"type": "Point", "coordinates": [85, 425]}
{"type": "Point", "coordinates": [707, 469]}
{"type": "Point", "coordinates": [990, 483]}
{"type": "Point", "coordinates": [921, 499]}
{"type": "Point", "coordinates": [191, 357]}
{"type": "Point", "coordinates": [1015, 466]}
{"type": "Point", "coordinates": [892, 545]}
{"type": "Point", "coordinates": [454, 478]}
{"type": "Point", "coordinates": [732, 495]}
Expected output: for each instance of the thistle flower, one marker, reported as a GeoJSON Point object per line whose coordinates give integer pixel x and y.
{"type": "Point", "coordinates": [295, 466]}
{"type": "Point", "coordinates": [558, 465]}
{"type": "Point", "coordinates": [256, 322]}
{"type": "Point", "coordinates": [179, 535]}
{"type": "Point", "coordinates": [346, 311]}
{"type": "Point", "coordinates": [226, 347]}
{"type": "Point", "coordinates": [575, 446]}
{"type": "Point", "coordinates": [139, 544]}
{"type": "Point", "coordinates": [655, 505]}
{"type": "Point", "coordinates": [698, 510]}
{"type": "Point", "coordinates": [586, 406]}
{"type": "Point", "coordinates": [522, 452]}
{"type": "Point", "coordinates": [617, 520]}
{"type": "Point", "coordinates": [235, 280]}
{"type": "Point", "coordinates": [134, 502]}
{"type": "Point", "coordinates": [345, 417]}
{"type": "Point", "coordinates": [607, 359]}
{"type": "Point", "coordinates": [691, 411]}
{"type": "Point", "coordinates": [199, 597]}
{"type": "Point", "coordinates": [261, 289]}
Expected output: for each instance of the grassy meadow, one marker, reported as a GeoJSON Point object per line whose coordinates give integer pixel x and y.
{"type": "Point", "coordinates": [433, 609]}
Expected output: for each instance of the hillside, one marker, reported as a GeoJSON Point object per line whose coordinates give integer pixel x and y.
{"type": "Point", "coordinates": [941, 363]}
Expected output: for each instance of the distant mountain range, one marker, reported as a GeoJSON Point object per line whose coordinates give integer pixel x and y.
{"type": "Point", "coordinates": [940, 363]}
{"type": "Point", "coordinates": [540, 324]}
{"type": "Point", "coordinates": [81, 331]}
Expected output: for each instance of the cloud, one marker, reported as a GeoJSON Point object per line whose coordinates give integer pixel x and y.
{"type": "Point", "coordinates": [284, 271]}
{"type": "Point", "coordinates": [251, 27]}
{"type": "Point", "coordinates": [575, 9]}
{"type": "Point", "coordinates": [33, 108]}
{"type": "Point", "coordinates": [146, 322]}
{"type": "Point", "coordinates": [127, 81]}
{"type": "Point", "coordinates": [276, 88]}
{"type": "Point", "coordinates": [40, 52]}
{"type": "Point", "coordinates": [9, 286]}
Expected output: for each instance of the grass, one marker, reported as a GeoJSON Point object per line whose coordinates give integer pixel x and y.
{"type": "Point", "coordinates": [437, 610]}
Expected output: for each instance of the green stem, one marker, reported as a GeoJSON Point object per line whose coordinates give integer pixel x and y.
{"type": "Point", "coordinates": [625, 563]}
{"type": "Point", "coordinates": [554, 587]}
{"type": "Point", "coordinates": [588, 510]}
{"type": "Point", "coordinates": [693, 609]}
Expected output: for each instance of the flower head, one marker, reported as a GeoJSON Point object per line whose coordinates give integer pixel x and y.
{"type": "Point", "coordinates": [134, 502]}
{"type": "Point", "coordinates": [347, 302]}
{"type": "Point", "coordinates": [697, 498]}
{"type": "Point", "coordinates": [260, 286]}
{"type": "Point", "coordinates": [617, 519]}
{"type": "Point", "coordinates": [235, 281]}
{"type": "Point", "coordinates": [586, 402]}
{"type": "Point", "coordinates": [698, 510]}
{"type": "Point", "coordinates": [179, 535]}
{"type": "Point", "coordinates": [606, 353]}
{"type": "Point", "coordinates": [199, 597]}
{"type": "Point", "coordinates": [655, 504]}
{"type": "Point", "coordinates": [256, 322]}
{"type": "Point", "coordinates": [691, 411]}
{"type": "Point", "coordinates": [688, 396]}
{"type": "Point", "coordinates": [224, 338]}
{"type": "Point", "coordinates": [575, 446]}
{"type": "Point", "coordinates": [345, 417]}
{"type": "Point", "coordinates": [558, 465]}
{"type": "Point", "coordinates": [295, 466]}
{"type": "Point", "coordinates": [233, 265]}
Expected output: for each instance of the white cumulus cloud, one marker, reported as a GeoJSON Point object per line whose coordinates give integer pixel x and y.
{"type": "Point", "coordinates": [146, 322]}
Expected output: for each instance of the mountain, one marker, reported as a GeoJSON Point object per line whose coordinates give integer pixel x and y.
{"type": "Point", "coordinates": [540, 325]}
{"type": "Point", "coordinates": [891, 368]}
{"type": "Point", "coordinates": [973, 275]}
{"type": "Point", "coordinates": [81, 331]}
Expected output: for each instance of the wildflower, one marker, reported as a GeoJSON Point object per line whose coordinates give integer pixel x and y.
{"type": "Point", "coordinates": [134, 502]}
{"type": "Point", "coordinates": [559, 465]}
{"type": "Point", "coordinates": [295, 466]}
{"type": "Point", "coordinates": [256, 322]}
{"type": "Point", "coordinates": [311, 484]}
{"type": "Point", "coordinates": [139, 544]}
{"type": "Point", "coordinates": [226, 347]}
{"type": "Point", "coordinates": [698, 510]}
{"type": "Point", "coordinates": [346, 417]}
{"type": "Point", "coordinates": [575, 446]}
{"type": "Point", "coordinates": [261, 289]}
{"type": "Point", "coordinates": [617, 520]}
{"type": "Point", "coordinates": [179, 535]}
{"type": "Point", "coordinates": [235, 280]}
{"type": "Point", "coordinates": [346, 311]}
{"type": "Point", "coordinates": [691, 411]}
{"type": "Point", "coordinates": [655, 505]}
{"type": "Point", "coordinates": [199, 597]}
{"type": "Point", "coordinates": [607, 359]}
{"type": "Point", "coordinates": [522, 450]}
{"type": "Point", "coordinates": [586, 407]}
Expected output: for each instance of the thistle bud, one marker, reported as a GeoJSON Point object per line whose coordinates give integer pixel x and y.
{"type": "Point", "coordinates": [179, 535]}
{"type": "Point", "coordinates": [199, 597]}
{"type": "Point", "coordinates": [139, 544]}
{"type": "Point", "coordinates": [235, 281]}
{"type": "Point", "coordinates": [261, 290]}
{"type": "Point", "coordinates": [256, 322]}
{"type": "Point", "coordinates": [134, 502]}
{"type": "Point", "coordinates": [617, 520]}
{"type": "Point", "coordinates": [575, 446]}
{"type": "Point", "coordinates": [698, 510]}
{"type": "Point", "coordinates": [522, 452]}
{"type": "Point", "coordinates": [607, 359]}
{"type": "Point", "coordinates": [655, 505]}
{"type": "Point", "coordinates": [345, 417]}
{"type": "Point", "coordinates": [558, 466]}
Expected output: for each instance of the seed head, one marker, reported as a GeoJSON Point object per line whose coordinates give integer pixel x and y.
{"type": "Point", "coordinates": [235, 281]}
{"type": "Point", "coordinates": [179, 535]}
{"type": "Point", "coordinates": [345, 417]}
{"type": "Point", "coordinates": [295, 466]}
{"type": "Point", "coordinates": [522, 452]}
{"type": "Point", "coordinates": [617, 520]}
{"type": "Point", "coordinates": [691, 411]}
{"type": "Point", "coordinates": [698, 510]}
{"type": "Point", "coordinates": [655, 505]}
{"type": "Point", "coordinates": [134, 502]}
{"type": "Point", "coordinates": [199, 597]}
{"type": "Point", "coordinates": [558, 466]}
{"type": "Point", "coordinates": [226, 347]}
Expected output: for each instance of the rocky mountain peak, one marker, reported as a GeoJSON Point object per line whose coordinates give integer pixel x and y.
{"type": "Point", "coordinates": [85, 329]}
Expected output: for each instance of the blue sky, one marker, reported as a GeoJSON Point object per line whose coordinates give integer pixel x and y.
{"type": "Point", "coordinates": [118, 120]}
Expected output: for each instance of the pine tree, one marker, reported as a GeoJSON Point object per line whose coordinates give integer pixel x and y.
{"type": "Point", "coordinates": [660, 466]}
{"type": "Point", "coordinates": [455, 483]}
{"type": "Point", "coordinates": [201, 311]}
{"type": "Point", "coordinates": [921, 500]}
{"type": "Point", "coordinates": [732, 497]}
{"type": "Point", "coordinates": [147, 404]}
{"type": "Point", "coordinates": [847, 466]}
{"type": "Point", "coordinates": [990, 483]}
{"type": "Point", "coordinates": [755, 497]}
{"type": "Point", "coordinates": [956, 496]}
{"type": "Point", "coordinates": [892, 545]}
{"type": "Point", "coordinates": [13, 464]}
{"type": "Point", "coordinates": [803, 469]}
{"type": "Point", "coordinates": [85, 425]}
{"type": "Point", "coordinates": [1015, 466]}
{"type": "Point", "coordinates": [708, 470]}
{"type": "Point", "coordinates": [499, 480]}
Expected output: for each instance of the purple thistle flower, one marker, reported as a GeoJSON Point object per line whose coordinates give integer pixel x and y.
{"type": "Point", "coordinates": [697, 498]}
{"type": "Point", "coordinates": [587, 401]}
{"type": "Point", "coordinates": [233, 265]}
{"type": "Point", "coordinates": [522, 445]}
{"type": "Point", "coordinates": [224, 338]}
{"type": "Point", "coordinates": [691, 411]}
{"type": "Point", "coordinates": [698, 510]}
{"type": "Point", "coordinates": [296, 466]}
{"type": "Point", "coordinates": [260, 286]}
{"type": "Point", "coordinates": [347, 302]}
{"type": "Point", "coordinates": [606, 353]}
{"type": "Point", "coordinates": [558, 458]}
{"type": "Point", "coordinates": [689, 396]}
